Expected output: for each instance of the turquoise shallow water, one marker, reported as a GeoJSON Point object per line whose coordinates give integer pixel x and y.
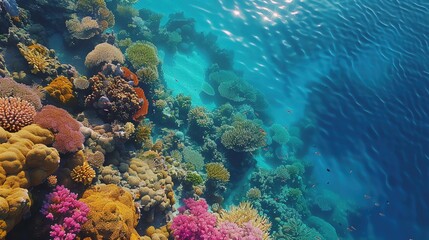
{"type": "Point", "coordinates": [360, 70]}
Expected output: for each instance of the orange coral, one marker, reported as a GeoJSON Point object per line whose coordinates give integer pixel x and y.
{"type": "Point", "coordinates": [38, 57]}
{"type": "Point", "coordinates": [130, 76]}
{"type": "Point", "coordinates": [61, 88]}
{"type": "Point", "coordinates": [145, 108]}
{"type": "Point", "coordinates": [83, 174]}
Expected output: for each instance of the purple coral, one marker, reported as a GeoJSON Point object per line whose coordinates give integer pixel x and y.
{"type": "Point", "coordinates": [62, 207]}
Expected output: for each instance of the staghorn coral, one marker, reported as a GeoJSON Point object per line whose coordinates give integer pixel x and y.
{"type": "Point", "coordinates": [38, 57]}
{"type": "Point", "coordinates": [10, 88]}
{"type": "Point", "coordinates": [114, 96]}
{"type": "Point", "coordinates": [67, 213]}
{"type": "Point", "coordinates": [112, 211]}
{"type": "Point", "coordinates": [295, 229]}
{"type": "Point", "coordinates": [61, 89]}
{"type": "Point", "coordinates": [15, 113]}
{"type": "Point", "coordinates": [142, 54]}
{"type": "Point", "coordinates": [83, 174]}
{"type": "Point", "coordinates": [68, 137]}
{"type": "Point", "coordinates": [103, 53]}
{"type": "Point", "coordinates": [84, 28]}
{"type": "Point", "coordinates": [245, 213]}
{"type": "Point", "coordinates": [217, 171]}
{"type": "Point", "coordinates": [25, 161]}
{"type": "Point", "coordinates": [245, 136]}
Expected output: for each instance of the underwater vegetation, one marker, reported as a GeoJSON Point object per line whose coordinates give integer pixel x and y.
{"type": "Point", "coordinates": [95, 144]}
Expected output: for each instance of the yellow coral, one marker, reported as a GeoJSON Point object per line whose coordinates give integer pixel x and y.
{"type": "Point", "coordinates": [37, 57]}
{"type": "Point", "coordinates": [217, 171]}
{"type": "Point", "coordinates": [112, 211]}
{"type": "Point", "coordinates": [25, 161]}
{"type": "Point", "coordinates": [83, 174]}
{"type": "Point", "coordinates": [61, 88]}
{"type": "Point", "coordinates": [245, 213]}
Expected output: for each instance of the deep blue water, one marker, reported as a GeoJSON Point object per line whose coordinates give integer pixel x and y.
{"type": "Point", "coordinates": [360, 70]}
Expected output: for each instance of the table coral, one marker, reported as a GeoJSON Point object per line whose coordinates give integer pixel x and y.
{"type": "Point", "coordinates": [25, 161]}
{"type": "Point", "coordinates": [112, 211]}
{"type": "Point", "coordinates": [15, 113]}
{"type": "Point", "coordinates": [61, 88]}
{"type": "Point", "coordinates": [84, 28]}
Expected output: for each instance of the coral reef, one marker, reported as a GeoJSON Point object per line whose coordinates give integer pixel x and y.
{"type": "Point", "coordinates": [112, 210]}
{"type": "Point", "coordinates": [116, 99]}
{"type": "Point", "coordinates": [217, 171]}
{"type": "Point", "coordinates": [244, 136]}
{"type": "Point", "coordinates": [83, 174]}
{"type": "Point", "coordinates": [142, 54]}
{"type": "Point", "coordinates": [25, 161]}
{"type": "Point", "coordinates": [84, 28]}
{"type": "Point", "coordinates": [39, 58]}
{"type": "Point", "coordinates": [15, 113]}
{"type": "Point", "coordinates": [61, 89]}
{"type": "Point", "coordinates": [10, 88]}
{"type": "Point", "coordinates": [68, 137]}
{"type": "Point", "coordinates": [68, 214]}
{"type": "Point", "coordinates": [103, 53]}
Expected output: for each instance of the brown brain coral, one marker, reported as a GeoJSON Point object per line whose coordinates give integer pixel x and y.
{"type": "Point", "coordinates": [15, 113]}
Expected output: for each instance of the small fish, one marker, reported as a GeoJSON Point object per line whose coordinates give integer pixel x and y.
{"type": "Point", "coordinates": [328, 169]}
{"type": "Point", "coordinates": [381, 214]}
{"type": "Point", "coordinates": [377, 204]}
{"type": "Point", "coordinates": [366, 196]}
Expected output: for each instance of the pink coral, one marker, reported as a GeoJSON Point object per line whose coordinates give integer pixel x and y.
{"type": "Point", "coordinates": [69, 214]}
{"type": "Point", "coordinates": [68, 138]}
{"type": "Point", "coordinates": [195, 223]}
{"type": "Point", "coordinates": [15, 113]}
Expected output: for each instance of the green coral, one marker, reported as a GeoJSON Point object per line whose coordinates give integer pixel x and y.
{"type": "Point", "coordinates": [142, 54]}
{"type": "Point", "coordinates": [295, 229]}
{"type": "Point", "coordinates": [244, 136]}
{"type": "Point", "coordinates": [194, 178]}
{"type": "Point", "coordinates": [279, 134]}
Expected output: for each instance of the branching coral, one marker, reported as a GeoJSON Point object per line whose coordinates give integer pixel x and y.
{"type": "Point", "coordinates": [83, 174]}
{"type": "Point", "coordinates": [245, 213]}
{"type": "Point", "coordinates": [193, 157]}
{"type": "Point", "coordinates": [217, 171]}
{"type": "Point", "coordinates": [103, 53]}
{"type": "Point", "coordinates": [85, 28]}
{"type": "Point", "coordinates": [68, 214]}
{"type": "Point", "coordinates": [61, 88]}
{"type": "Point", "coordinates": [15, 113]}
{"type": "Point", "coordinates": [245, 136]}
{"type": "Point", "coordinates": [10, 88]}
{"type": "Point", "coordinates": [38, 57]}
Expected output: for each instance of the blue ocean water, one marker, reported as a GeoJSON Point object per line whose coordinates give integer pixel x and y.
{"type": "Point", "coordinates": [360, 71]}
